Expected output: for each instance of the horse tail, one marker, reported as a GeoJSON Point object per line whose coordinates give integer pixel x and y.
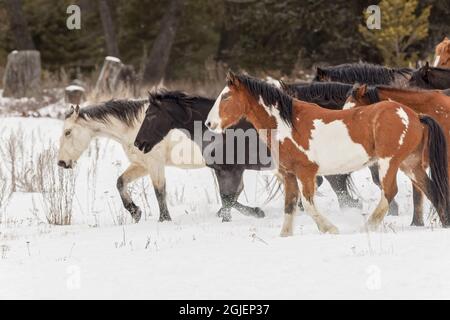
{"type": "Point", "coordinates": [437, 185]}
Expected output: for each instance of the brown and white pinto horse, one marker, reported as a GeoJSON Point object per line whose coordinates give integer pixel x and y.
{"type": "Point", "coordinates": [388, 133]}
{"type": "Point", "coordinates": [442, 54]}
{"type": "Point", "coordinates": [430, 102]}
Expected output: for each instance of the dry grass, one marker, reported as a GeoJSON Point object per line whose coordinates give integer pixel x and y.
{"type": "Point", "coordinates": [29, 171]}
{"type": "Point", "coordinates": [57, 187]}
{"type": "Point", "coordinates": [5, 192]}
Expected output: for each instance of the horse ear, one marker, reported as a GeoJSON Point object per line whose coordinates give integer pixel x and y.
{"type": "Point", "coordinates": [232, 80]}
{"type": "Point", "coordinates": [361, 90]}
{"type": "Point", "coordinates": [424, 70]}
{"type": "Point", "coordinates": [73, 112]}
{"type": "Point", "coordinates": [320, 72]}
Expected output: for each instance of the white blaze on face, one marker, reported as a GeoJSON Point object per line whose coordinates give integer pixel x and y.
{"type": "Point", "coordinates": [348, 105]}
{"type": "Point", "coordinates": [213, 116]}
{"type": "Point", "coordinates": [405, 120]}
{"type": "Point", "coordinates": [436, 61]}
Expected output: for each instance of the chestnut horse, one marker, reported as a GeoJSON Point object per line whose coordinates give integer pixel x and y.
{"type": "Point", "coordinates": [387, 133]}
{"type": "Point", "coordinates": [430, 102]}
{"type": "Point", "coordinates": [442, 54]}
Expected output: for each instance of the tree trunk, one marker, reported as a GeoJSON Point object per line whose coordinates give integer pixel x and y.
{"type": "Point", "coordinates": [108, 28]}
{"type": "Point", "coordinates": [158, 59]}
{"type": "Point", "coordinates": [74, 94]}
{"type": "Point", "coordinates": [116, 78]}
{"type": "Point", "coordinates": [23, 74]}
{"type": "Point", "coordinates": [19, 25]}
{"type": "Point", "coordinates": [230, 31]}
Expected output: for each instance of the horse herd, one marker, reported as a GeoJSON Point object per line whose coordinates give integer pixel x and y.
{"type": "Point", "coordinates": [349, 117]}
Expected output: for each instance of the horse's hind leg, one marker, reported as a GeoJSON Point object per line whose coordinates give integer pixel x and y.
{"type": "Point", "coordinates": [291, 193]}
{"type": "Point", "coordinates": [418, 207]}
{"type": "Point", "coordinates": [387, 168]}
{"type": "Point", "coordinates": [158, 177]}
{"type": "Point", "coordinates": [393, 206]}
{"type": "Point", "coordinates": [420, 181]}
{"type": "Point", "coordinates": [132, 173]}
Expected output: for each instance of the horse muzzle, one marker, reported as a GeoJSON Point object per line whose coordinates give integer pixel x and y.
{"type": "Point", "coordinates": [64, 164]}
{"type": "Point", "coordinates": [213, 126]}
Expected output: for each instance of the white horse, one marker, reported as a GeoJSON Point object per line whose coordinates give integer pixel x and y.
{"type": "Point", "coordinates": [120, 120]}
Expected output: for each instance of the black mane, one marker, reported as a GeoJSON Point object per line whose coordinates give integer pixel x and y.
{"type": "Point", "coordinates": [428, 77]}
{"type": "Point", "coordinates": [370, 74]}
{"type": "Point", "coordinates": [179, 97]}
{"type": "Point", "coordinates": [371, 93]}
{"type": "Point", "coordinates": [271, 96]}
{"type": "Point", "coordinates": [330, 95]}
{"type": "Point", "coordinates": [127, 111]}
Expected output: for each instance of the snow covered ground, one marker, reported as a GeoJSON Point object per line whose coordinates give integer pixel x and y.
{"type": "Point", "coordinates": [197, 256]}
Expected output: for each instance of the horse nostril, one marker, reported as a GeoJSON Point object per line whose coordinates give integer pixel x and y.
{"type": "Point", "coordinates": [61, 164]}
{"type": "Point", "coordinates": [208, 124]}
{"type": "Point", "coordinates": [136, 144]}
{"type": "Point", "coordinates": [212, 125]}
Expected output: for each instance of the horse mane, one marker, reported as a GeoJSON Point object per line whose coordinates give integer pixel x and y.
{"type": "Point", "coordinates": [181, 98]}
{"type": "Point", "coordinates": [328, 94]}
{"type": "Point", "coordinates": [272, 96]}
{"type": "Point", "coordinates": [362, 72]}
{"type": "Point", "coordinates": [373, 95]}
{"type": "Point", "coordinates": [127, 111]}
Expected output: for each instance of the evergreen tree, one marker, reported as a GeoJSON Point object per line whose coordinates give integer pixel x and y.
{"type": "Point", "coordinates": [400, 29]}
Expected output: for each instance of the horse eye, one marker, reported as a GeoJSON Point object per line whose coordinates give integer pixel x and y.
{"type": "Point", "coordinates": [68, 132]}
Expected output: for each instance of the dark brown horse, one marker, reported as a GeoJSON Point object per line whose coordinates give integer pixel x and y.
{"type": "Point", "coordinates": [387, 133]}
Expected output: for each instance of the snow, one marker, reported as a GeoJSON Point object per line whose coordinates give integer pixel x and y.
{"type": "Point", "coordinates": [197, 256]}
{"type": "Point", "coordinates": [114, 59]}
{"type": "Point", "coordinates": [74, 88]}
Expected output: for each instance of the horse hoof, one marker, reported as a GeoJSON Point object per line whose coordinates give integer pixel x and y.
{"type": "Point", "coordinates": [220, 213]}
{"type": "Point", "coordinates": [259, 213]}
{"type": "Point", "coordinates": [135, 211]}
{"type": "Point", "coordinates": [332, 230]}
{"type": "Point", "coordinates": [226, 218]}
{"type": "Point", "coordinates": [163, 218]}
{"type": "Point", "coordinates": [417, 224]}
{"type": "Point", "coordinates": [370, 226]}
{"type": "Point", "coordinates": [286, 233]}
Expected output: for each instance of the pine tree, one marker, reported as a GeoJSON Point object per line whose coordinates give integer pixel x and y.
{"type": "Point", "coordinates": [400, 29]}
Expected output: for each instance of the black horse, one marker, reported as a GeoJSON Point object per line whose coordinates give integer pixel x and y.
{"type": "Point", "coordinates": [425, 77]}
{"type": "Point", "coordinates": [367, 73]}
{"type": "Point", "coordinates": [176, 110]}
{"type": "Point", "coordinates": [430, 78]}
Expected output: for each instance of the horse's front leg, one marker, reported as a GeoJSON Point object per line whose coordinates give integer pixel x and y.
{"type": "Point", "coordinates": [158, 177]}
{"type": "Point", "coordinates": [132, 173]}
{"type": "Point", "coordinates": [307, 179]}
{"type": "Point", "coordinates": [228, 181]}
{"type": "Point", "coordinates": [339, 184]}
